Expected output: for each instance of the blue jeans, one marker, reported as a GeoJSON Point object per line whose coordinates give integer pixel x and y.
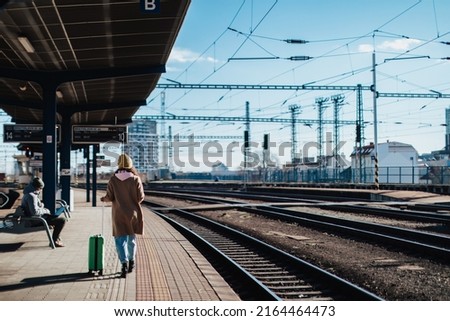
{"type": "Point", "coordinates": [126, 247]}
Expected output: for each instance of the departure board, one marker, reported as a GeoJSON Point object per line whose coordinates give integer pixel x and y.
{"type": "Point", "coordinates": [96, 134]}
{"type": "Point", "coordinates": [25, 133]}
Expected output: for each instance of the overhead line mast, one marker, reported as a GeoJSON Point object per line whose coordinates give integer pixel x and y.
{"type": "Point", "coordinates": [321, 105]}
{"type": "Point", "coordinates": [295, 110]}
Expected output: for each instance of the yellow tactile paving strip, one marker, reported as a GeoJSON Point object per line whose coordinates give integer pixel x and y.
{"type": "Point", "coordinates": [176, 270]}
{"type": "Point", "coordinates": [152, 282]}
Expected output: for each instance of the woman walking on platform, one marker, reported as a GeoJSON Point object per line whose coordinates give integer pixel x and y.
{"type": "Point", "coordinates": [126, 193]}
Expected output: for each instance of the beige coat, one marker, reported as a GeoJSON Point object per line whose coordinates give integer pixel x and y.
{"type": "Point", "coordinates": [126, 197]}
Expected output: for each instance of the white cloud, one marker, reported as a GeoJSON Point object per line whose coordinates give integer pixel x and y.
{"type": "Point", "coordinates": [399, 44]}
{"type": "Point", "coordinates": [185, 55]}
{"type": "Point", "coordinates": [173, 69]}
{"type": "Point", "coordinates": [365, 48]}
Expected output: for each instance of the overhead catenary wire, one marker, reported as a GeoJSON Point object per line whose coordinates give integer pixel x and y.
{"type": "Point", "coordinates": [354, 39]}
{"type": "Point", "coordinates": [253, 29]}
{"type": "Point", "coordinates": [240, 46]}
{"type": "Point", "coordinates": [217, 69]}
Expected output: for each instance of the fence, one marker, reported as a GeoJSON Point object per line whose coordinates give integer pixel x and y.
{"type": "Point", "coordinates": [389, 175]}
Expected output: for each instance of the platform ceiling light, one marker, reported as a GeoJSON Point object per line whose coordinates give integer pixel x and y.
{"type": "Point", "coordinates": [26, 44]}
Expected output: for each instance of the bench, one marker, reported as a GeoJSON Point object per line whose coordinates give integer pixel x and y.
{"type": "Point", "coordinates": [63, 204]}
{"type": "Point", "coordinates": [18, 217]}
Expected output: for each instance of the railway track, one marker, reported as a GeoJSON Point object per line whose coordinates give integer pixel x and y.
{"type": "Point", "coordinates": [417, 242]}
{"type": "Point", "coordinates": [256, 193]}
{"type": "Point", "coordinates": [432, 245]}
{"type": "Point", "coordinates": [395, 213]}
{"type": "Point", "coordinates": [257, 270]}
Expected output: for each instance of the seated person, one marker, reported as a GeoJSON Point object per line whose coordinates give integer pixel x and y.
{"type": "Point", "coordinates": [33, 206]}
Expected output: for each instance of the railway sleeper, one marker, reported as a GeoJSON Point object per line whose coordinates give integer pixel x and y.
{"type": "Point", "coordinates": [316, 298]}
{"type": "Point", "coordinates": [251, 263]}
{"type": "Point", "coordinates": [268, 273]}
{"type": "Point", "coordinates": [244, 256]}
{"type": "Point", "coordinates": [257, 268]}
{"type": "Point", "coordinates": [236, 251]}
{"type": "Point", "coordinates": [282, 282]}
{"type": "Point", "coordinates": [252, 258]}
{"type": "Point", "coordinates": [300, 294]}
{"type": "Point", "coordinates": [259, 261]}
{"type": "Point", "coordinates": [232, 248]}
{"type": "Point", "coordinates": [284, 278]}
{"type": "Point", "coordinates": [290, 287]}
{"type": "Point", "coordinates": [264, 265]}
{"type": "Point", "coordinates": [221, 242]}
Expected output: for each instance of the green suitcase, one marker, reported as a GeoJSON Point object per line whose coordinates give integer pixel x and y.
{"type": "Point", "coordinates": [96, 254]}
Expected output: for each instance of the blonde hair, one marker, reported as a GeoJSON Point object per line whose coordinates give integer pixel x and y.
{"type": "Point", "coordinates": [124, 162]}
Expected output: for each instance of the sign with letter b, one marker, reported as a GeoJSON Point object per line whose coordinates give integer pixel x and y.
{"type": "Point", "coordinates": [150, 6]}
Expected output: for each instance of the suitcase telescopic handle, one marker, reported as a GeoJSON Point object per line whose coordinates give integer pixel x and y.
{"type": "Point", "coordinates": [103, 215]}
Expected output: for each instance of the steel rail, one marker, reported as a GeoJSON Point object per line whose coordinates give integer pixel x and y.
{"type": "Point", "coordinates": [431, 244]}
{"type": "Point", "coordinates": [395, 213]}
{"type": "Point", "coordinates": [259, 292]}
{"type": "Point", "coordinates": [342, 288]}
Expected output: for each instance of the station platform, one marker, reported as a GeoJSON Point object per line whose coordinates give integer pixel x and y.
{"type": "Point", "coordinates": [168, 267]}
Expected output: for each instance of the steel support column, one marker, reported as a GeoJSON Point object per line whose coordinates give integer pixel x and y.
{"type": "Point", "coordinates": [49, 168]}
{"type": "Point", "coordinates": [65, 148]}
{"type": "Point", "coordinates": [95, 150]}
{"type": "Point", "coordinates": [87, 174]}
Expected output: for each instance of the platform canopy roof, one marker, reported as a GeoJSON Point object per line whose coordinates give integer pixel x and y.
{"type": "Point", "coordinates": [105, 56]}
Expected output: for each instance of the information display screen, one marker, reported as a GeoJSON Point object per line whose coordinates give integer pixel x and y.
{"type": "Point", "coordinates": [26, 133]}
{"type": "Point", "coordinates": [96, 134]}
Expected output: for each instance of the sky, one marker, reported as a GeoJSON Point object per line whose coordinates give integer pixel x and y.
{"type": "Point", "coordinates": [244, 42]}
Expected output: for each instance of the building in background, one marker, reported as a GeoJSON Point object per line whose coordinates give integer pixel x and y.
{"type": "Point", "coordinates": [398, 163]}
{"type": "Point", "coordinates": [7, 151]}
{"type": "Point", "coordinates": [143, 147]}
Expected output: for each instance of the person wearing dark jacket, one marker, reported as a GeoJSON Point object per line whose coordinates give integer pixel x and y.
{"type": "Point", "coordinates": [126, 193]}
{"type": "Point", "coordinates": [33, 206]}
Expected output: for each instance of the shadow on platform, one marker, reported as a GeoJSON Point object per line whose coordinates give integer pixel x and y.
{"type": "Point", "coordinates": [53, 279]}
